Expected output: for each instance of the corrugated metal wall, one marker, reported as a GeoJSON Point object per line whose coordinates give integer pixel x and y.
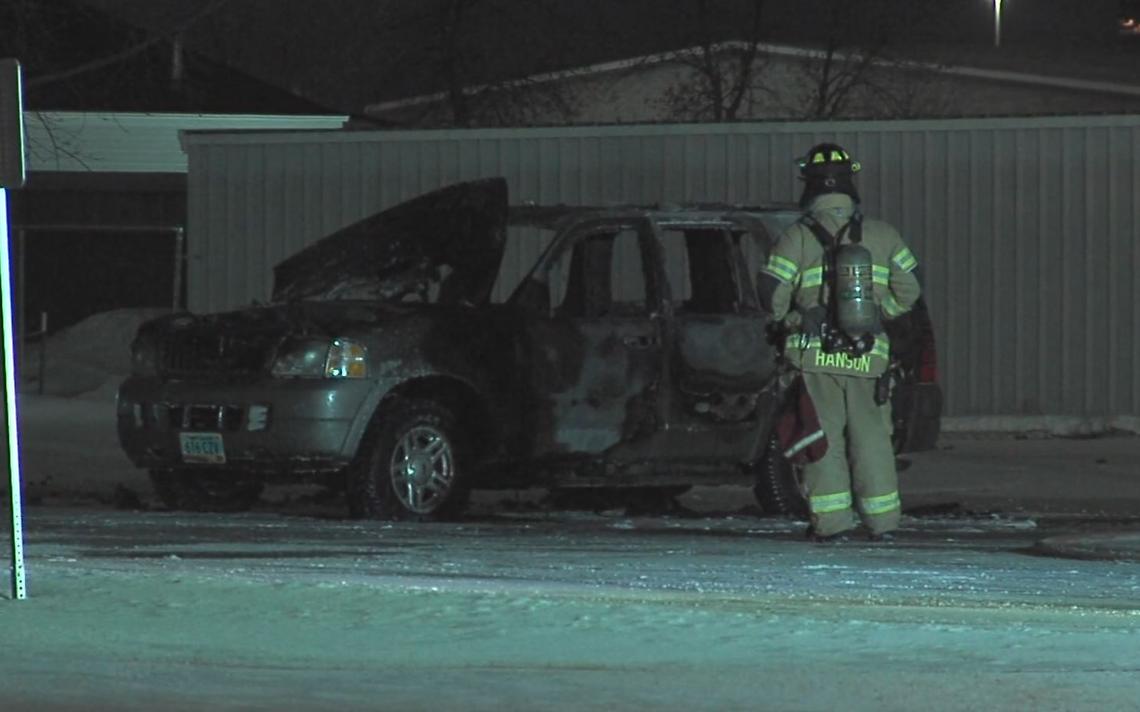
{"type": "Point", "coordinates": [1027, 228]}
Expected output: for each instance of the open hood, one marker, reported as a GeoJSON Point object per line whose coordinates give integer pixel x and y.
{"type": "Point", "coordinates": [444, 246]}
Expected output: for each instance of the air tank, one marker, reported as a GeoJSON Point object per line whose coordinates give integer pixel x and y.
{"type": "Point", "coordinates": [855, 308]}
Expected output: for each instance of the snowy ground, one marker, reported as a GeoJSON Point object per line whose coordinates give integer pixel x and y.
{"type": "Point", "coordinates": [291, 607]}
{"type": "Point", "coordinates": [560, 611]}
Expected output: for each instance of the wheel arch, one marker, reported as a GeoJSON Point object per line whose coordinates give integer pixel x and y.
{"type": "Point", "coordinates": [458, 395]}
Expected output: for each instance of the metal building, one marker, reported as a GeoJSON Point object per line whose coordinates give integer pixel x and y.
{"type": "Point", "coordinates": [1027, 228]}
{"type": "Point", "coordinates": [104, 209]}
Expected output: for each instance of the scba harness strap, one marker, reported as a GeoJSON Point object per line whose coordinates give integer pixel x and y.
{"type": "Point", "coordinates": [828, 241]}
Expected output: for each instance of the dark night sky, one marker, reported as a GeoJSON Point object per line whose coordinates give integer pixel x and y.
{"type": "Point", "coordinates": [349, 53]}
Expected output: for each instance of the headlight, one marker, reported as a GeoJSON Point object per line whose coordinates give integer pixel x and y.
{"type": "Point", "coordinates": [144, 357]}
{"type": "Point", "coordinates": [347, 359]}
{"type": "Point", "coordinates": [300, 358]}
{"type": "Point", "coordinates": [318, 358]}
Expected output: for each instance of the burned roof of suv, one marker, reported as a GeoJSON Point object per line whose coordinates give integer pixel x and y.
{"type": "Point", "coordinates": [455, 237]}
{"type": "Point", "coordinates": [554, 216]}
{"type": "Point", "coordinates": [405, 248]}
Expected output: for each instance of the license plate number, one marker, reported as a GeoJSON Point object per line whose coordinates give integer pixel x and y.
{"type": "Point", "coordinates": [203, 447]}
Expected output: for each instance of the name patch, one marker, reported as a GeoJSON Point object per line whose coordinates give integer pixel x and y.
{"type": "Point", "coordinates": [861, 364]}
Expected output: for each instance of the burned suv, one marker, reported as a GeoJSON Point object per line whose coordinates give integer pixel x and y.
{"type": "Point", "coordinates": [633, 354]}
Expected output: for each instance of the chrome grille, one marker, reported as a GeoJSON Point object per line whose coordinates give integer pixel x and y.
{"type": "Point", "coordinates": [205, 417]}
{"type": "Point", "coordinates": [189, 353]}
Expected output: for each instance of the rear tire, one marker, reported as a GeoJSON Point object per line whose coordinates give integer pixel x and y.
{"type": "Point", "coordinates": [412, 465]}
{"type": "Point", "coordinates": [182, 489]}
{"type": "Point", "coordinates": [775, 485]}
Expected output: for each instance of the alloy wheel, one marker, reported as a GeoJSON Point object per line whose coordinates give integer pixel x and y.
{"type": "Point", "coordinates": [422, 469]}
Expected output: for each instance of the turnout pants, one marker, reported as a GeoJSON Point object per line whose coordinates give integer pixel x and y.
{"type": "Point", "coordinates": [857, 475]}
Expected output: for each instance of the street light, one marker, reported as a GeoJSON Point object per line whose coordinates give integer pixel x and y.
{"type": "Point", "coordinates": [997, 23]}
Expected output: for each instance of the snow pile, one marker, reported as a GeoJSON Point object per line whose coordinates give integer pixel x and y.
{"type": "Point", "coordinates": [90, 357]}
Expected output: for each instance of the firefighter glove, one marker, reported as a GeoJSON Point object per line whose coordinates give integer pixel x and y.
{"type": "Point", "coordinates": [812, 321]}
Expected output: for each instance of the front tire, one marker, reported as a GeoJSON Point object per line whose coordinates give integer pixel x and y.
{"type": "Point", "coordinates": [776, 487]}
{"type": "Point", "coordinates": [412, 465]}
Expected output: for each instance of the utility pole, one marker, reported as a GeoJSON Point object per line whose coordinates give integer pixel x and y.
{"type": "Point", "coordinates": [11, 176]}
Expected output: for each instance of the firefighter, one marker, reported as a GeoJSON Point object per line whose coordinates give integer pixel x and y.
{"type": "Point", "coordinates": [835, 279]}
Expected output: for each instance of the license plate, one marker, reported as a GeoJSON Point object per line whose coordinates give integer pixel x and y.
{"type": "Point", "coordinates": [203, 447]}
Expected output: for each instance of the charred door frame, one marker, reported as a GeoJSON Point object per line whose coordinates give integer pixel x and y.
{"type": "Point", "coordinates": [686, 436]}
{"type": "Point", "coordinates": [595, 378]}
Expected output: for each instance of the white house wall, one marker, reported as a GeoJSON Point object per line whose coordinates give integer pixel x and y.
{"type": "Point", "coordinates": [1027, 229]}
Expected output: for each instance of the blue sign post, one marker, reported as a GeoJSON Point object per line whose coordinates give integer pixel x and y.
{"type": "Point", "coordinates": [11, 176]}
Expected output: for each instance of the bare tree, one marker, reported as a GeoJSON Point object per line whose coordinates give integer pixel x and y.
{"type": "Point", "coordinates": [453, 15]}
{"type": "Point", "coordinates": [725, 69]}
{"type": "Point", "coordinates": [859, 61]}
{"type": "Point", "coordinates": [847, 60]}
{"type": "Point", "coordinates": [485, 79]}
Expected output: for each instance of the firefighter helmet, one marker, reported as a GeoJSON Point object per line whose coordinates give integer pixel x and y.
{"type": "Point", "coordinates": [827, 168]}
{"type": "Point", "coordinates": [827, 159]}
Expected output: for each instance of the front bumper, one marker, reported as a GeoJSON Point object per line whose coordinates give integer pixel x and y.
{"type": "Point", "coordinates": [282, 429]}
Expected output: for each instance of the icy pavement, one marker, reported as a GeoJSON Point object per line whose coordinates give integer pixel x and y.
{"type": "Point", "coordinates": [1107, 545]}
{"type": "Point", "coordinates": [936, 561]}
{"type": "Point", "coordinates": [192, 642]}
{"type": "Point", "coordinates": [560, 611]}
